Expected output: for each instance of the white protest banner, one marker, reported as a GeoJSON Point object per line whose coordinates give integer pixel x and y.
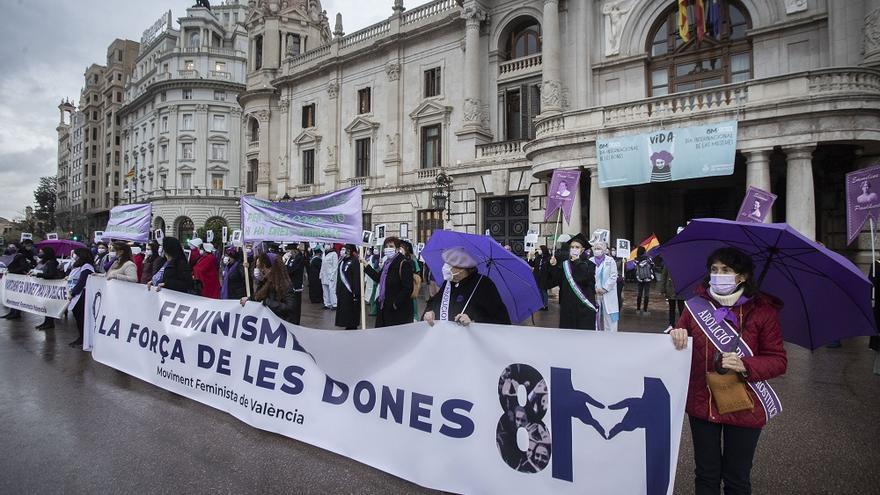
{"type": "Point", "coordinates": [39, 296]}
{"type": "Point", "coordinates": [601, 413]}
{"type": "Point", "coordinates": [26, 236]}
{"type": "Point", "coordinates": [99, 235]}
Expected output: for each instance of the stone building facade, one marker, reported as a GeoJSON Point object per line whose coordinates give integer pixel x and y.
{"type": "Point", "coordinates": [181, 121]}
{"type": "Point", "coordinates": [63, 199]}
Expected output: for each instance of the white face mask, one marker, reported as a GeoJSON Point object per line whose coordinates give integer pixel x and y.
{"type": "Point", "coordinates": [161, 251]}
{"type": "Point", "coordinates": [226, 260]}
{"type": "Point", "coordinates": [447, 272]}
{"type": "Point", "coordinates": [575, 252]}
{"type": "Point", "coordinates": [389, 252]}
{"type": "Point", "coordinates": [343, 252]}
{"type": "Point", "coordinates": [101, 250]}
{"type": "Point", "coordinates": [149, 252]}
{"type": "Point", "coordinates": [112, 255]}
{"type": "Point", "coordinates": [723, 284]}
{"type": "Point", "coordinates": [258, 275]}
{"type": "Point", "coordinates": [74, 258]}
{"type": "Point", "coordinates": [598, 252]}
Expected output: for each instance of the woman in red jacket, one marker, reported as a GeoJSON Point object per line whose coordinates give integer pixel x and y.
{"type": "Point", "coordinates": [205, 271]}
{"type": "Point", "coordinates": [735, 329]}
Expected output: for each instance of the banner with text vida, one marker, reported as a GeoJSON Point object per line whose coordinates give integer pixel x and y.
{"type": "Point", "coordinates": [34, 295]}
{"type": "Point", "coordinates": [667, 155]}
{"type": "Point", "coordinates": [479, 409]}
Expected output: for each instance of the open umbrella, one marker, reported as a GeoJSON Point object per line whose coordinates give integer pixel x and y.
{"type": "Point", "coordinates": [826, 297]}
{"type": "Point", "coordinates": [510, 274]}
{"type": "Point", "coordinates": [62, 247]}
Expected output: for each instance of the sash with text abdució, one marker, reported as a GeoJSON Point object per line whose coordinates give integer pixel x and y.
{"type": "Point", "coordinates": [434, 405]}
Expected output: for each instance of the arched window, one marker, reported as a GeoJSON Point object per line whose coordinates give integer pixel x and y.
{"type": "Point", "coordinates": [255, 130]}
{"type": "Point", "coordinates": [253, 173]}
{"type": "Point", "coordinates": [523, 39]}
{"type": "Point", "coordinates": [723, 56]}
{"type": "Point", "coordinates": [185, 228]}
{"type": "Point", "coordinates": [194, 40]}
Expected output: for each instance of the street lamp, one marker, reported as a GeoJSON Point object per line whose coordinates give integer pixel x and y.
{"type": "Point", "coordinates": [443, 194]}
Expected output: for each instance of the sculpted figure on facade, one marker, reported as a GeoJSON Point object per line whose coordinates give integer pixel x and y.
{"type": "Point", "coordinates": [872, 31]}
{"type": "Point", "coordinates": [333, 89]}
{"type": "Point", "coordinates": [794, 6]}
{"type": "Point", "coordinates": [551, 94]}
{"type": "Point", "coordinates": [616, 14]}
{"type": "Point", "coordinates": [392, 70]}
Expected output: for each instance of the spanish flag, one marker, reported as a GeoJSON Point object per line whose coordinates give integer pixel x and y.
{"type": "Point", "coordinates": [650, 243]}
{"type": "Point", "coordinates": [130, 174]}
{"type": "Point", "coordinates": [683, 21]}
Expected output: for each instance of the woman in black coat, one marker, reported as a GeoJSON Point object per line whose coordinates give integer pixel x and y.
{"type": "Point", "coordinates": [47, 267]}
{"type": "Point", "coordinates": [152, 262]}
{"type": "Point", "coordinates": [574, 311]}
{"type": "Point", "coordinates": [232, 281]}
{"type": "Point", "coordinates": [316, 292]}
{"type": "Point", "coordinates": [20, 265]}
{"type": "Point", "coordinates": [175, 274]}
{"type": "Point", "coordinates": [274, 289]}
{"type": "Point", "coordinates": [394, 295]}
{"type": "Point", "coordinates": [540, 263]}
{"type": "Point", "coordinates": [348, 289]}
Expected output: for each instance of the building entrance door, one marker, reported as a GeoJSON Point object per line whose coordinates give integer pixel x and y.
{"type": "Point", "coordinates": [508, 221]}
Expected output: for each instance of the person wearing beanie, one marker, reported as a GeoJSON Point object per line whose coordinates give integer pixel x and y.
{"type": "Point", "coordinates": [465, 295]}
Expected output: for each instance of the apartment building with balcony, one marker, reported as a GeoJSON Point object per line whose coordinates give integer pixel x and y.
{"type": "Point", "coordinates": [65, 127]}
{"type": "Point", "coordinates": [498, 94]}
{"type": "Point", "coordinates": [181, 122]}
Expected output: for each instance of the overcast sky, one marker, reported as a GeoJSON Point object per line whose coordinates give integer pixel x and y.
{"type": "Point", "coordinates": [45, 47]}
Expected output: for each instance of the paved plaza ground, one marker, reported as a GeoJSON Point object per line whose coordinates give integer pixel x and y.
{"type": "Point", "coordinates": [71, 425]}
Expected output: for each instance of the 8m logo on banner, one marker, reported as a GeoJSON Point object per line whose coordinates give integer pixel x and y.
{"type": "Point", "coordinates": [650, 412]}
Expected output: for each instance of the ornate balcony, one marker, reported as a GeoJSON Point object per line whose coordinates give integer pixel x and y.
{"type": "Point", "coordinates": [520, 67]}
{"type": "Point", "coordinates": [500, 150]}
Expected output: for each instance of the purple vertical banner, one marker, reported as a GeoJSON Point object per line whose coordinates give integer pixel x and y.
{"type": "Point", "coordinates": [129, 223]}
{"type": "Point", "coordinates": [335, 217]}
{"type": "Point", "coordinates": [563, 190]}
{"type": "Point", "coordinates": [862, 199]}
{"type": "Point", "coordinates": [756, 206]}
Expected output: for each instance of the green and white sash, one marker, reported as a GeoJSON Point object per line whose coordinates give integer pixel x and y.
{"type": "Point", "coordinates": [566, 268]}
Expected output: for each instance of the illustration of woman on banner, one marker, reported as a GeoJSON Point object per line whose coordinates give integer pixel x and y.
{"type": "Point", "coordinates": [867, 195]}
{"type": "Point", "coordinates": [576, 278]}
{"type": "Point", "coordinates": [661, 166]}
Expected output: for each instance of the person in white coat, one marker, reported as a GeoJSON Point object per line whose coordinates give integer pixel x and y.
{"type": "Point", "coordinates": [329, 263]}
{"type": "Point", "coordinates": [606, 288]}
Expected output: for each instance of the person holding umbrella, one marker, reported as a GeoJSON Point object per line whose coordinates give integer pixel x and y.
{"type": "Point", "coordinates": [576, 278]}
{"type": "Point", "coordinates": [395, 285]}
{"type": "Point", "coordinates": [737, 342]}
{"type": "Point", "coordinates": [465, 296]}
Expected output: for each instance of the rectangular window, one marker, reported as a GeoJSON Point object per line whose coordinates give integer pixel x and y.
{"type": "Point", "coordinates": [187, 124]}
{"type": "Point", "coordinates": [660, 82]}
{"type": "Point", "coordinates": [119, 96]}
{"type": "Point", "coordinates": [220, 66]}
{"type": "Point", "coordinates": [308, 116]}
{"type": "Point", "coordinates": [362, 158]}
{"type": "Point", "coordinates": [218, 151]}
{"type": "Point", "coordinates": [219, 95]}
{"type": "Point", "coordinates": [432, 82]}
{"type": "Point", "coordinates": [164, 179]}
{"type": "Point", "coordinates": [186, 181]}
{"type": "Point", "coordinates": [164, 124]}
{"type": "Point", "coordinates": [187, 94]}
{"type": "Point", "coordinates": [364, 100]}
{"type": "Point", "coordinates": [218, 123]}
{"type": "Point", "coordinates": [186, 151]}
{"type": "Point", "coordinates": [216, 181]}
{"type": "Point", "coordinates": [163, 152]}
{"type": "Point", "coordinates": [163, 97]}
{"type": "Point", "coordinates": [188, 65]}
{"type": "Point", "coordinates": [431, 146]}
{"type": "Point", "coordinates": [308, 167]}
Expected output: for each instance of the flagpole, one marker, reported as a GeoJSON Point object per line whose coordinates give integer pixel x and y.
{"type": "Point", "coordinates": [363, 251]}
{"type": "Point", "coordinates": [873, 293]}
{"type": "Point", "coordinates": [556, 232]}
{"type": "Point", "coordinates": [247, 276]}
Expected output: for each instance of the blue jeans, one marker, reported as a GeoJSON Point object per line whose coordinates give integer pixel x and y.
{"type": "Point", "coordinates": [544, 296]}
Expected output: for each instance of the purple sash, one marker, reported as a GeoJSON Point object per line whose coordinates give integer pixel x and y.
{"type": "Point", "coordinates": [723, 336]}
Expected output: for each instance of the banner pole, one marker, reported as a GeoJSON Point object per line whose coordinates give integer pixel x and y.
{"type": "Point", "coordinates": [873, 251]}
{"type": "Point", "coordinates": [247, 276]}
{"type": "Point", "coordinates": [556, 232]}
{"type": "Point", "coordinates": [363, 251]}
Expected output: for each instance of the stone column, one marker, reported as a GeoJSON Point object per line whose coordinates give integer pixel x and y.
{"type": "Point", "coordinates": [551, 87]}
{"type": "Point", "coordinates": [758, 172]}
{"type": "Point", "coordinates": [284, 178]}
{"type": "Point", "coordinates": [263, 174]}
{"type": "Point", "coordinates": [600, 211]}
{"type": "Point", "coordinates": [872, 33]}
{"type": "Point", "coordinates": [800, 196]}
{"type": "Point", "coordinates": [473, 103]}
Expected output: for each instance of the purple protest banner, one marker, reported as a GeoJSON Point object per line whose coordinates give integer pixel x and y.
{"type": "Point", "coordinates": [563, 188]}
{"type": "Point", "coordinates": [129, 223]}
{"type": "Point", "coordinates": [756, 206]}
{"type": "Point", "coordinates": [335, 217]}
{"type": "Point", "coordinates": [862, 199]}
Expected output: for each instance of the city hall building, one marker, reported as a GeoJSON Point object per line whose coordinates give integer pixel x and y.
{"type": "Point", "coordinates": [455, 113]}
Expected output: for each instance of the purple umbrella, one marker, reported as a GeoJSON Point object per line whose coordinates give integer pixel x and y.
{"type": "Point", "coordinates": [62, 247]}
{"type": "Point", "coordinates": [510, 274]}
{"type": "Point", "coordinates": [826, 297]}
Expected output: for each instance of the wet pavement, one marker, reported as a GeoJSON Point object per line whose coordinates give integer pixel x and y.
{"type": "Point", "coordinates": [71, 425]}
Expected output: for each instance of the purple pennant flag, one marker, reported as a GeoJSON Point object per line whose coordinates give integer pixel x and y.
{"type": "Point", "coordinates": [862, 199]}
{"type": "Point", "coordinates": [336, 217]}
{"type": "Point", "coordinates": [129, 223]}
{"type": "Point", "coordinates": [756, 206]}
{"type": "Point", "coordinates": [563, 189]}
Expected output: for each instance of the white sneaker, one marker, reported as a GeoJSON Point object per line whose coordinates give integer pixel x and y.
{"type": "Point", "coordinates": [668, 329]}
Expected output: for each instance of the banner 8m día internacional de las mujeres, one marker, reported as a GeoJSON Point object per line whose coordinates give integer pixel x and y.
{"type": "Point", "coordinates": [478, 409]}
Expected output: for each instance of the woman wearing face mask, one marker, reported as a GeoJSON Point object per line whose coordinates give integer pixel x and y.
{"type": "Point", "coordinates": [175, 273]}
{"type": "Point", "coordinates": [465, 296]}
{"type": "Point", "coordinates": [394, 292]}
{"type": "Point", "coordinates": [76, 287]}
{"type": "Point", "coordinates": [329, 266]}
{"type": "Point", "coordinates": [153, 261]}
{"type": "Point", "coordinates": [47, 267]}
{"type": "Point", "coordinates": [123, 268]}
{"type": "Point", "coordinates": [348, 289]}
{"type": "Point", "coordinates": [316, 294]}
{"type": "Point", "coordinates": [576, 278]}
{"type": "Point", "coordinates": [724, 444]}
{"type": "Point", "coordinates": [406, 249]}
{"type": "Point", "coordinates": [101, 257]}
{"type": "Point", "coordinates": [110, 259]}
{"type": "Point", "coordinates": [233, 286]}
{"type": "Point", "coordinates": [274, 288]}
{"type": "Point", "coordinates": [205, 271]}
{"type": "Point", "coordinates": [606, 288]}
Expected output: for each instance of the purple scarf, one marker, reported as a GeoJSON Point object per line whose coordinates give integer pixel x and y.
{"type": "Point", "coordinates": [727, 313]}
{"type": "Point", "coordinates": [383, 278]}
{"type": "Point", "coordinates": [227, 270]}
